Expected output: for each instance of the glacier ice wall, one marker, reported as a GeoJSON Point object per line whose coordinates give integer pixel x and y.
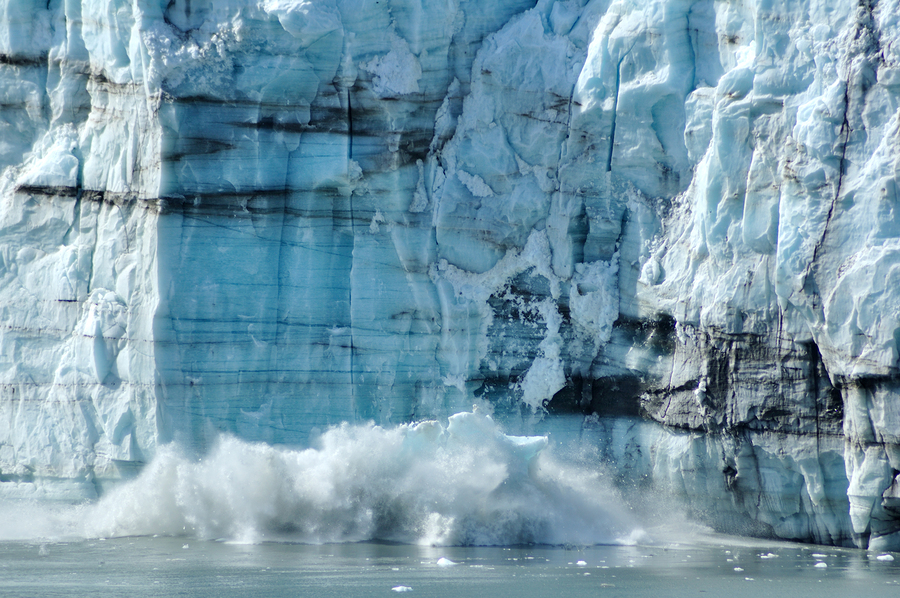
{"type": "Point", "coordinates": [268, 217]}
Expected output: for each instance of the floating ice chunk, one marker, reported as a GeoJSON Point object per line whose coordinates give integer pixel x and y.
{"type": "Point", "coordinates": [581, 563]}
{"type": "Point", "coordinates": [885, 557]}
{"type": "Point", "coordinates": [768, 556]}
{"type": "Point", "coordinates": [445, 562]}
{"type": "Point", "coordinates": [401, 589]}
{"type": "Point", "coordinates": [821, 565]}
{"type": "Point", "coordinates": [738, 569]}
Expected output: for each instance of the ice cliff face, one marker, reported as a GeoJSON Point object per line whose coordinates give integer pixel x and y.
{"type": "Point", "coordinates": [269, 216]}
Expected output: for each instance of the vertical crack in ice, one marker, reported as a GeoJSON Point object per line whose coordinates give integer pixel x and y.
{"type": "Point", "coordinates": [814, 359]}
{"type": "Point", "coordinates": [863, 27]}
{"type": "Point", "coordinates": [842, 166]}
{"type": "Point", "coordinates": [124, 226]}
{"type": "Point", "coordinates": [349, 128]}
{"type": "Point", "coordinates": [690, 46]}
{"type": "Point", "coordinates": [76, 216]}
{"type": "Point", "coordinates": [280, 327]}
{"type": "Point", "coordinates": [615, 108]}
{"type": "Point", "coordinates": [351, 348]}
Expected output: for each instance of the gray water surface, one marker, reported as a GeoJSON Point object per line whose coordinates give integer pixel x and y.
{"type": "Point", "coordinates": [179, 567]}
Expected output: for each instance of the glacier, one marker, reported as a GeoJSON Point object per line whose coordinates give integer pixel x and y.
{"type": "Point", "coordinates": [669, 221]}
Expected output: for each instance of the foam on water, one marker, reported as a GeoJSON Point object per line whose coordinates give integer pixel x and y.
{"type": "Point", "coordinates": [463, 483]}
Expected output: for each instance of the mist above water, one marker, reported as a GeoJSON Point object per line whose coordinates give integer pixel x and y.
{"type": "Point", "coordinates": [463, 483]}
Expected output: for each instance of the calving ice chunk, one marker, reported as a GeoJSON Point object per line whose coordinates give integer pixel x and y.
{"type": "Point", "coordinates": [266, 218]}
{"type": "Point", "coordinates": [427, 483]}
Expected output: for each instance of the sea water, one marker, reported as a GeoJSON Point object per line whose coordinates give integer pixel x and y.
{"type": "Point", "coordinates": [162, 566]}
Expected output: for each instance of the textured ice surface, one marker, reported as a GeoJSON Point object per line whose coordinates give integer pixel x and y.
{"type": "Point", "coordinates": [267, 217]}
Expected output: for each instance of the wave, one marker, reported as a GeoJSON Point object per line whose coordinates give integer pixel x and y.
{"type": "Point", "coordinates": [463, 483]}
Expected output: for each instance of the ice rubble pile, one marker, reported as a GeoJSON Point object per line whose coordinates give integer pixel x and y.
{"type": "Point", "coordinates": [267, 217]}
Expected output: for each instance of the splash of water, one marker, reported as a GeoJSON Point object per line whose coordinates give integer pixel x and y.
{"type": "Point", "coordinates": [465, 483]}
